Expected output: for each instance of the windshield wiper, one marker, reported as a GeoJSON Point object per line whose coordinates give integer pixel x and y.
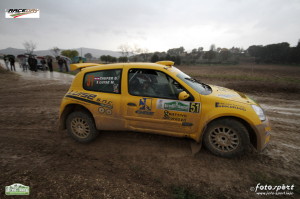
{"type": "Point", "coordinates": [196, 81]}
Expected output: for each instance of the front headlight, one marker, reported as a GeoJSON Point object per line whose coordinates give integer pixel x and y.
{"type": "Point", "coordinates": [259, 112]}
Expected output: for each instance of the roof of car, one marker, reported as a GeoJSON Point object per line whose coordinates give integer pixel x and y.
{"type": "Point", "coordinates": [93, 66]}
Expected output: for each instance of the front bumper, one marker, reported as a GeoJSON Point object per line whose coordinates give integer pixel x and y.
{"type": "Point", "coordinates": [263, 134]}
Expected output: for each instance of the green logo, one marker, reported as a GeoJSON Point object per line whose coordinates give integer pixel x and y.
{"type": "Point", "coordinates": [176, 106]}
{"type": "Point", "coordinates": [17, 189]}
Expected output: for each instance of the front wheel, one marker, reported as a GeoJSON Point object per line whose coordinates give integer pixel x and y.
{"type": "Point", "coordinates": [81, 127]}
{"type": "Point", "coordinates": [226, 138]}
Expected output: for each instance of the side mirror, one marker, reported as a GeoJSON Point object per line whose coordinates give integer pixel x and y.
{"type": "Point", "coordinates": [183, 96]}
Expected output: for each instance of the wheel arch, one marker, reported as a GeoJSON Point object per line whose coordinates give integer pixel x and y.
{"type": "Point", "coordinates": [69, 109]}
{"type": "Point", "coordinates": [250, 130]}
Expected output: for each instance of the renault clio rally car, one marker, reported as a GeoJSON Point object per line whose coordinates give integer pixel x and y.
{"type": "Point", "coordinates": [159, 98]}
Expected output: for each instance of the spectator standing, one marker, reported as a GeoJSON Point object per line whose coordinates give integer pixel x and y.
{"type": "Point", "coordinates": [66, 65]}
{"type": "Point", "coordinates": [6, 62]}
{"type": "Point", "coordinates": [23, 63]}
{"type": "Point", "coordinates": [60, 64]}
{"type": "Point", "coordinates": [68, 62]}
{"type": "Point", "coordinates": [49, 63]}
{"type": "Point", "coordinates": [34, 64]}
{"type": "Point", "coordinates": [12, 63]}
{"type": "Point", "coordinates": [43, 62]}
{"type": "Point", "coordinates": [30, 62]}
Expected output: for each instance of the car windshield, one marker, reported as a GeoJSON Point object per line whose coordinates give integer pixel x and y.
{"type": "Point", "coordinates": [200, 87]}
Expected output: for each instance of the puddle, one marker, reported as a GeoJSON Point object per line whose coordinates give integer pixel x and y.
{"type": "Point", "coordinates": [46, 75]}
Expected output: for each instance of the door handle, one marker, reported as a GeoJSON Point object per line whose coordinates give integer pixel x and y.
{"type": "Point", "coordinates": [131, 104]}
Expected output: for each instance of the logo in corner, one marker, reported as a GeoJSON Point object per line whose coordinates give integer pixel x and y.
{"type": "Point", "coordinates": [17, 189]}
{"type": "Point", "coordinates": [22, 13]}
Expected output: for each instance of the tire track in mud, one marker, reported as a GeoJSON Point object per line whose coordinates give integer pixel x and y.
{"type": "Point", "coordinates": [284, 117]}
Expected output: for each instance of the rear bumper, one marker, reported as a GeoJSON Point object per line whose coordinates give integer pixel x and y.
{"type": "Point", "coordinates": [263, 134]}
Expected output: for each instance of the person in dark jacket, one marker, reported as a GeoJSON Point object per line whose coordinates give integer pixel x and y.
{"type": "Point", "coordinates": [12, 63]}
{"type": "Point", "coordinates": [32, 63]}
{"type": "Point", "coordinates": [60, 62]}
{"type": "Point", "coordinates": [35, 64]}
{"type": "Point", "coordinates": [49, 63]}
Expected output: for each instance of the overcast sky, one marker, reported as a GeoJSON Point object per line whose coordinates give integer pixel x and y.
{"type": "Point", "coordinates": [157, 25]}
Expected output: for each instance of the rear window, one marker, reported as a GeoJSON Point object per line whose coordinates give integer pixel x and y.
{"type": "Point", "coordinates": [108, 81]}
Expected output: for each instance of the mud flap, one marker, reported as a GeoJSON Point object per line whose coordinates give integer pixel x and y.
{"type": "Point", "coordinates": [195, 147]}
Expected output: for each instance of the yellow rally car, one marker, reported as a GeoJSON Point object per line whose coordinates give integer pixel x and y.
{"type": "Point", "coordinates": [159, 98]}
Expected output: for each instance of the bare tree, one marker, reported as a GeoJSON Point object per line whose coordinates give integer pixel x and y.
{"type": "Point", "coordinates": [145, 53]}
{"type": "Point", "coordinates": [29, 47]}
{"type": "Point", "coordinates": [125, 49]}
{"type": "Point", "coordinates": [136, 49]}
{"type": "Point", "coordinates": [55, 51]}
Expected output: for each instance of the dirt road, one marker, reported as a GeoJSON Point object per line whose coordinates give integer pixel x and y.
{"type": "Point", "coordinates": [132, 165]}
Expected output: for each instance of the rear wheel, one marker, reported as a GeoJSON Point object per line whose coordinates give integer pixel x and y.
{"type": "Point", "coordinates": [226, 138]}
{"type": "Point", "coordinates": [81, 127]}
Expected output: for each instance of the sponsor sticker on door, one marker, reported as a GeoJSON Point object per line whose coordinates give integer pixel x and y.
{"type": "Point", "coordinates": [174, 105]}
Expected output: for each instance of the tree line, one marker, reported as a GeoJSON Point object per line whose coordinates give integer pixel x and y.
{"type": "Point", "coordinates": [280, 53]}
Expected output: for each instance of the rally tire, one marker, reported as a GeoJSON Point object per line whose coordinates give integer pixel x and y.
{"type": "Point", "coordinates": [227, 138]}
{"type": "Point", "coordinates": [81, 127]}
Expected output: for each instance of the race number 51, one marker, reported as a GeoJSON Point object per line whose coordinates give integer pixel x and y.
{"type": "Point", "coordinates": [194, 107]}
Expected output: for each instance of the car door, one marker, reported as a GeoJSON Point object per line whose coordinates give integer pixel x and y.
{"type": "Point", "coordinates": [152, 104]}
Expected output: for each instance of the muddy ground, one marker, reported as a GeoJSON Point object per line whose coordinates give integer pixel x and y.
{"type": "Point", "coordinates": [137, 165]}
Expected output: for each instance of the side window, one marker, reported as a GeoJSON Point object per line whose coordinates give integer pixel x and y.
{"type": "Point", "coordinates": [152, 83]}
{"type": "Point", "coordinates": [108, 81]}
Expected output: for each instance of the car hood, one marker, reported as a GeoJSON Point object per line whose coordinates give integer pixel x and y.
{"type": "Point", "coordinates": [229, 94]}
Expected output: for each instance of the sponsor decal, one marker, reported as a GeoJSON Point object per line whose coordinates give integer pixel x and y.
{"type": "Point", "coordinates": [105, 106]}
{"type": "Point", "coordinates": [105, 80]}
{"type": "Point", "coordinates": [91, 80]}
{"type": "Point", "coordinates": [225, 105]}
{"type": "Point", "coordinates": [145, 106]}
{"type": "Point", "coordinates": [17, 189]}
{"type": "Point", "coordinates": [182, 106]}
{"type": "Point", "coordinates": [22, 13]}
{"type": "Point", "coordinates": [180, 117]}
{"type": "Point", "coordinates": [173, 105]}
{"type": "Point", "coordinates": [81, 95]}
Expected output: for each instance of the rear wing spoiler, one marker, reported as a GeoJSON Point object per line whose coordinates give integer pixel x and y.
{"type": "Point", "coordinates": [166, 63]}
{"type": "Point", "coordinates": [82, 65]}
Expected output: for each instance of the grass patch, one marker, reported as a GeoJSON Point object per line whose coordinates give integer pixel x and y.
{"type": "Point", "coordinates": [229, 77]}
{"type": "Point", "coordinates": [246, 78]}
